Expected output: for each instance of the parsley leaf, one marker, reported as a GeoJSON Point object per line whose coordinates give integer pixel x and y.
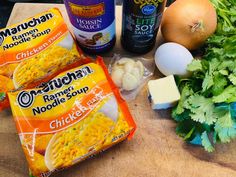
{"type": "Point", "coordinates": [224, 72]}
{"type": "Point", "coordinates": [195, 65]}
{"type": "Point", "coordinates": [186, 92]}
{"type": "Point", "coordinates": [225, 134]}
{"type": "Point", "coordinates": [225, 121]}
{"type": "Point", "coordinates": [207, 82]}
{"type": "Point", "coordinates": [232, 79]}
{"type": "Point", "coordinates": [202, 109]}
{"type": "Point", "coordinates": [226, 96]}
{"type": "Point", "coordinates": [220, 82]}
{"type": "Point", "coordinates": [206, 142]}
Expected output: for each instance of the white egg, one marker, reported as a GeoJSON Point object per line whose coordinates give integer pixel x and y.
{"type": "Point", "coordinates": [173, 59]}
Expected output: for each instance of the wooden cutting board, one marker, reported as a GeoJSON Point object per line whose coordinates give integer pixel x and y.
{"type": "Point", "coordinates": [155, 150]}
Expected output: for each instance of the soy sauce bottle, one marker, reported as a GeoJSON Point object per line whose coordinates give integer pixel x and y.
{"type": "Point", "coordinates": [140, 23]}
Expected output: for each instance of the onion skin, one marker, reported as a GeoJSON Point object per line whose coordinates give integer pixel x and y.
{"type": "Point", "coordinates": [189, 22]}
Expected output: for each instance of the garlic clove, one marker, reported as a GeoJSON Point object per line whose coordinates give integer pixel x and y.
{"type": "Point", "coordinates": [129, 82]}
{"type": "Point", "coordinates": [125, 60]}
{"type": "Point", "coordinates": [136, 73]}
{"type": "Point", "coordinates": [139, 64]}
{"type": "Point", "coordinates": [117, 76]}
{"type": "Point", "coordinates": [128, 67]}
{"type": "Point", "coordinates": [116, 66]}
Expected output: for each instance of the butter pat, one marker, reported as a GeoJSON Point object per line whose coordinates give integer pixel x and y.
{"type": "Point", "coordinates": [163, 93]}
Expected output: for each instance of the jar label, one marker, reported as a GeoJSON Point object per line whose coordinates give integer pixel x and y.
{"type": "Point", "coordinates": [87, 11]}
{"type": "Point", "coordinates": [93, 22]}
{"type": "Point", "coordinates": [95, 39]}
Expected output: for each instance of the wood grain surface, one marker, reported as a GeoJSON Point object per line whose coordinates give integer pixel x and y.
{"type": "Point", "coordinates": [155, 150]}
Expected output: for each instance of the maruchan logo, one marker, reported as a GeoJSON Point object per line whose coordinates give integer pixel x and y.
{"type": "Point", "coordinates": [1, 40]}
{"type": "Point", "coordinates": [29, 24]}
{"type": "Point", "coordinates": [25, 99]}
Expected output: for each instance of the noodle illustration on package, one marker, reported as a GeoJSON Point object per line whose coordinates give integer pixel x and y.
{"type": "Point", "coordinates": [33, 51]}
{"type": "Point", "coordinates": [73, 116]}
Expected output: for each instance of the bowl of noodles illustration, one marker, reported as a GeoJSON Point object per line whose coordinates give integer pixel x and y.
{"type": "Point", "coordinates": [83, 138]}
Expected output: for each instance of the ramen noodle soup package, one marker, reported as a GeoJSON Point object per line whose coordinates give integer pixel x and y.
{"type": "Point", "coordinates": [73, 116]}
{"type": "Point", "coordinates": [35, 50]}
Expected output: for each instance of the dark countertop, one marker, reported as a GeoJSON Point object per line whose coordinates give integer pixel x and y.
{"type": "Point", "coordinates": [5, 11]}
{"type": "Point", "coordinates": [7, 5]}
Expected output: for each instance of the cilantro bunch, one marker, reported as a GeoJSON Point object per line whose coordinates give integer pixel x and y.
{"type": "Point", "coordinates": [206, 112]}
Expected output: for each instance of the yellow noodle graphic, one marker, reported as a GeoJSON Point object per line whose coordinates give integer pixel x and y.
{"type": "Point", "coordinates": [45, 63]}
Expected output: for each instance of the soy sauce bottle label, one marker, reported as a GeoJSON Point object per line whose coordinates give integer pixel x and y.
{"type": "Point", "coordinates": [141, 20]}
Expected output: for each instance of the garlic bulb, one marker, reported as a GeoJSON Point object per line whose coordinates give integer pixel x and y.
{"type": "Point", "coordinates": [127, 73]}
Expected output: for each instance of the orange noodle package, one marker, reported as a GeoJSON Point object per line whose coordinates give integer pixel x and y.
{"type": "Point", "coordinates": [34, 51]}
{"type": "Point", "coordinates": [73, 116]}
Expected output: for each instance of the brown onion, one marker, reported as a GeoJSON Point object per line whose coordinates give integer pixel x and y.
{"type": "Point", "coordinates": [189, 22]}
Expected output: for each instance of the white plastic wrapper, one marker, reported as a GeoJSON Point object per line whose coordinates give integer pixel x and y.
{"type": "Point", "coordinates": [130, 74]}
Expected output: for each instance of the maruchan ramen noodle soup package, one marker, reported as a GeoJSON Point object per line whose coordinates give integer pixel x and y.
{"type": "Point", "coordinates": [73, 116]}
{"type": "Point", "coordinates": [33, 51]}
